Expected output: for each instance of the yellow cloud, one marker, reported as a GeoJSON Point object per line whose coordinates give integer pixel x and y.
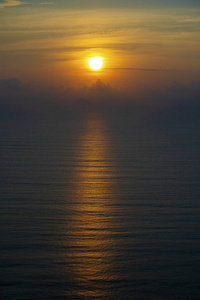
{"type": "Point", "coordinates": [7, 3]}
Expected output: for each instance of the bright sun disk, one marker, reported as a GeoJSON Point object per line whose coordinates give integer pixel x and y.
{"type": "Point", "coordinates": [95, 63]}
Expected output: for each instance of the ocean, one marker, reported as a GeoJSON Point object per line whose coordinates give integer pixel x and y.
{"type": "Point", "coordinates": [100, 204]}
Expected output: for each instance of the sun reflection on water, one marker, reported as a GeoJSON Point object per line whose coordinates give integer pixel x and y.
{"type": "Point", "coordinates": [91, 241]}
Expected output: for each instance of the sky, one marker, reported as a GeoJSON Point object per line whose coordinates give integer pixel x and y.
{"type": "Point", "coordinates": [150, 48]}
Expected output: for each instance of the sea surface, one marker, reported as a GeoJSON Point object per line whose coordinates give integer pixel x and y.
{"type": "Point", "coordinates": [100, 205]}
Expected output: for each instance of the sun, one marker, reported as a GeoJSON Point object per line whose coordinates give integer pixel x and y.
{"type": "Point", "coordinates": [95, 63]}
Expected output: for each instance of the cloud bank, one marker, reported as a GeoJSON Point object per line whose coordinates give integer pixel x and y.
{"type": "Point", "coordinates": [18, 97]}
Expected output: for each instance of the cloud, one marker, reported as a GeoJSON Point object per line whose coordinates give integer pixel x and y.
{"type": "Point", "coordinates": [12, 3]}
{"type": "Point", "coordinates": [24, 99]}
{"type": "Point", "coordinates": [7, 3]}
{"type": "Point", "coordinates": [143, 70]}
{"type": "Point", "coordinates": [178, 105]}
{"type": "Point", "coordinates": [174, 95]}
{"type": "Point", "coordinates": [80, 4]}
{"type": "Point", "coordinates": [100, 86]}
{"type": "Point", "coordinates": [11, 84]}
{"type": "Point", "coordinates": [19, 98]}
{"type": "Point", "coordinates": [46, 3]}
{"type": "Point", "coordinates": [99, 93]}
{"type": "Point", "coordinates": [180, 91]}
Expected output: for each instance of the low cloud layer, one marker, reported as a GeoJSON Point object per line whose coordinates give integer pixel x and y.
{"type": "Point", "coordinates": [11, 84]}
{"type": "Point", "coordinates": [16, 96]}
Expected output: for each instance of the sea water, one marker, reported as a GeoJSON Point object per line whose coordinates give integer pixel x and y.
{"type": "Point", "coordinates": [100, 205]}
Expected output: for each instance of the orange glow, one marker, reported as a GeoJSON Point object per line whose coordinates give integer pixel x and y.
{"type": "Point", "coordinates": [131, 54]}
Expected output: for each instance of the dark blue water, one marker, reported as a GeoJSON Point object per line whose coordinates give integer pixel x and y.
{"type": "Point", "coordinates": [100, 205]}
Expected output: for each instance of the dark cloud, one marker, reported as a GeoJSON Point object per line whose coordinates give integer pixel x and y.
{"type": "Point", "coordinates": [12, 84]}
{"type": "Point", "coordinates": [180, 107]}
{"type": "Point", "coordinates": [175, 95]}
{"type": "Point", "coordinates": [18, 97]}
{"type": "Point", "coordinates": [181, 92]}
{"type": "Point", "coordinates": [99, 93]}
{"type": "Point", "coordinates": [99, 87]}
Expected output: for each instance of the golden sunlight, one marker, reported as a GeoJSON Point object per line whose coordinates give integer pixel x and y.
{"type": "Point", "coordinates": [95, 63]}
